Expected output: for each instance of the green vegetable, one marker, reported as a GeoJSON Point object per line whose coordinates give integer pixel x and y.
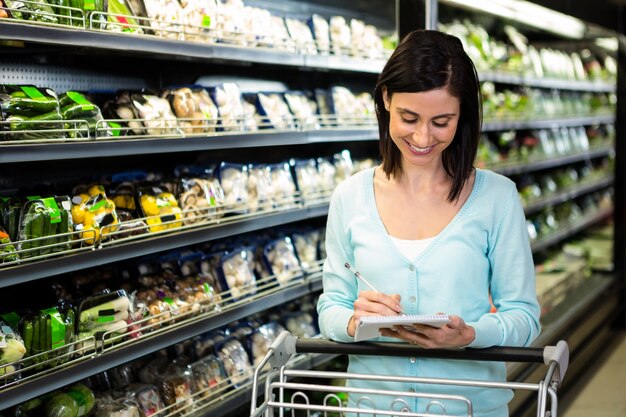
{"type": "Point", "coordinates": [12, 351]}
{"type": "Point", "coordinates": [7, 250]}
{"type": "Point", "coordinates": [84, 398]}
{"type": "Point", "coordinates": [23, 122]}
{"type": "Point", "coordinates": [61, 405]}
{"type": "Point", "coordinates": [61, 11]}
{"type": "Point", "coordinates": [27, 334]}
{"type": "Point", "coordinates": [29, 107]}
{"type": "Point", "coordinates": [37, 10]}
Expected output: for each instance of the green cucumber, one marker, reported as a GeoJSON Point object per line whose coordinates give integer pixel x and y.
{"type": "Point", "coordinates": [29, 107]}
{"type": "Point", "coordinates": [27, 335]}
{"type": "Point", "coordinates": [18, 123]}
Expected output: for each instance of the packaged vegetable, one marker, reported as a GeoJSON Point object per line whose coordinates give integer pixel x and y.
{"type": "Point", "coordinates": [303, 108]}
{"type": "Point", "coordinates": [120, 407]}
{"type": "Point", "coordinates": [147, 398]}
{"type": "Point", "coordinates": [93, 214]}
{"type": "Point", "coordinates": [104, 316]}
{"type": "Point", "coordinates": [273, 107]}
{"type": "Point", "coordinates": [167, 18]}
{"type": "Point", "coordinates": [11, 350]}
{"type": "Point", "coordinates": [343, 165]}
{"type": "Point", "coordinates": [235, 360]}
{"type": "Point", "coordinates": [259, 187]}
{"type": "Point", "coordinates": [328, 173]}
{"type": "Point", "coordinates": [282, 186]}
{"type": "Point", "coordinates": [200, 17]}
{"type": "Point", "coordinates": [195, 105]}
{"type": "Point", "coordinates": [38, 11]}
{"type": "Point", "coordinates": [261, 340]}
{"type": "Point", "coordinates": [75, 106]}
{"type": "Point", "coordinates": [122, 110]}
{"type": "Point", "coordinates": [175, 384]}
{"type": "Point", "coordinates": [233, 179]}
{"type": "Point", "coordinates": [301, 34]}
{"type": "Point", "coordinates": [281, 260]}
{"type": "Point", "coordinates": [306, 244]}
{"type": "Point", "coordinates": [160, 208]}
{"type": "Point", "coordinates": [229, 102]}
{"type": "Point", "coordinates": [301, 324]}
{"type": "Point", "coordinates": [307, 179]}
{"type": "Point", "coordinates": [11, 209]}
{"type": "Point", "coordinates": [201, 200]}
{"type": "Point", "coordinates": [209, 376]}
{"type": "Point", "coordinates": [121, 17]}
{"type": "Point", "coordinates": [340, 35]}
{"type": "Point", "coordinates": [44, 217]}
{"type": "Point", "coordinates": [321, 32]}
{"type": "Point", "coordinates": [157, 115]}
{"type": "Point", "coordinates": [203, 346]}
{"type": "Point", "coordinates": [238, 273]}
{"type": "Point", "coordinates": [196, 287]}
{"type": "Point", "coordinates": [24, 106]}
{"type": "Point", "coordinates": [7, 249]}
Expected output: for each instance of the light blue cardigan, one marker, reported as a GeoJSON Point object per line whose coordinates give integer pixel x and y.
{"type": "Point", "coordinates": [485, 249]}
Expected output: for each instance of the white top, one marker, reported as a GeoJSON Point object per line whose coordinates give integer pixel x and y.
{"type": "Point", "coordinates": [411, 249]}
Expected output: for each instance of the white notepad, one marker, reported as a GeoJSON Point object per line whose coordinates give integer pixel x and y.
{"type": "Point", "coordinates": [369, 326]}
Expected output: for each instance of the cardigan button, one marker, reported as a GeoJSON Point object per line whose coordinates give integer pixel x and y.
{"type": "Point", "coordinates": [412, 359]}
{"type": "Point", "coordinates": [412, 268]}
{"type": "Point", "coordinates": [412, 299]}
{"type": "Point", "coordinates": [411, 389]}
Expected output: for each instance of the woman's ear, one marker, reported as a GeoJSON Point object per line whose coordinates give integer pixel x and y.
{"type": "Point", "coordinates": [385, 98]}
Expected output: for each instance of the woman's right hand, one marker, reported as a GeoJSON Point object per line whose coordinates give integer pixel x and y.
{"type": "Point", "coordinates": [372, 303]}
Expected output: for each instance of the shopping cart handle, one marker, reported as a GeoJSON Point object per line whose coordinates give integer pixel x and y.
{"type": "Point", "coordinates": [492, 354]}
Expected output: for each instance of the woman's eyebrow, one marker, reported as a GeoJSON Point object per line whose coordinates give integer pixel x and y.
{"type": "Point", "coordinates": [412, 113]}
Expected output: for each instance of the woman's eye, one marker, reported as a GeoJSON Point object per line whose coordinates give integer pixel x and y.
{"type": "Point", "coordinates": [440, 124]}
{"type": "Point", "coordinates": [408, 120]}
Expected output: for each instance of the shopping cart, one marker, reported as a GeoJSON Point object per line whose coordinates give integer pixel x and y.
{"type": "Point", "coordinates": [277, 384]}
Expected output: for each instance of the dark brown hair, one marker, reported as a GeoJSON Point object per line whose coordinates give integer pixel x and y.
{"type": "Point", "coordinates": [427, 60]}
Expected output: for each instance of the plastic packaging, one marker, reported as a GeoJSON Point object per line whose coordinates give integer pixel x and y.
{"type": "Point", "coordinates": [147, 398]}
{"type": "Point", "coordinates": [303, 108]}
{"type": "Point", "coordinates": [340, 36]}
{"type": "Point", "coordinates": [301, 34]}
{"type": "Point", "coordinates": [201, 200]}
{"type": "Point", "coordinates": [193, 104]}
{"type": "Point", "coordinates": [175, 384]}
{"type": "Point", "coordinates": [235, 360]}
{"type": "Point", "coordinates": [273, 107]}
{"type": "Point", "coordinates": [75, 106]}
{"type": "Point", "coordinates": [209, 376]}
{"type": "Point", "coordinates": [259, 187]}
{"type": "Point", "coordinates": [104, 316]}
{"type": "Point", "coordinates": [41, 218]}
{"type": "Point", "coordinates": [306, 244]}
{"type": "Point", "coordinates": [233, 179]}
{"type": "Point", "coordinates": [160, 208]}
{"type": "Point", "coordinates": [12, 349]}
{"type": "Point", "coordinates": [121, 407]}
{"type": "Point", "coordinates": [300, 324]}
{"type": "Point", "coordinates": [167, 18]}
{"type": "Point", "coordinates": [261, 340]}
{"type": "Point", "coordinates": [238, 272]}
{"type": "Point", "coordinates": [23, 106]}
{"type": "Point", "coordinates": [157, 114]}
{"type": "Point", "coordinates": [321, 31]}
{"type": "Point", "coordinates": [283, 187]}
{"type": "Point", "coordinates": [307, 179]}
{"type": "Point", "coordinates": [343, 165]}
{"type": "Point", "coordinates": [7, 249]}
{"type": "Point", "coordinates": [281, 260]}
{"type": "Point", "coordinates": [93, 214]}
{"type": "Point", "coordinates": [229, 103]}
{"type": "Point", "coordinates": [123, 109]}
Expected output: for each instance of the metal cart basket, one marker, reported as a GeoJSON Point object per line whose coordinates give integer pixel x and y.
{"type": "Point", "coordinates": [277, 385]}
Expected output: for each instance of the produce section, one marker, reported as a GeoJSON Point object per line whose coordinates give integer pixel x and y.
{"type": "Point", "coordinates": [194, 246]}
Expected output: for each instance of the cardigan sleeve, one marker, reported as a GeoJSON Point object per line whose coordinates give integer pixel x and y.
{"type": "Point", "coordinates": [512, 283]}
{"type": "Point", "coordinates": [336, 304]}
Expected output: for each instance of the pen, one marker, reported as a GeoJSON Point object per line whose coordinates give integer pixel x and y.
{"type": "Point", "coordinates": [359, 276]}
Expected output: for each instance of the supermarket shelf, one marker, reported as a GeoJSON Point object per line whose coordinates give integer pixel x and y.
{"type": "Point", "coordinates": [492, 126]}
{"type": "Point", "coordinates": [128, 146]}
{"type": "Point", "coordinates": [572, 192]}
{"type": "Point", "coordinates": [551, 162]}
{"type": "Point", "coordinates": [547, 82]}
{"type": "Point", "coordinates": [234, 400]}
{"type": "Point", "coordinates": [92, 365]}
{"type": "Point", "coordinates": [575, 320]}
{"type": "Point", "coordinates": [117, 252]}
{"type": "Point", "coordinates": [173, 49]}
{"type": "Point", "coordinates": [571, 230]}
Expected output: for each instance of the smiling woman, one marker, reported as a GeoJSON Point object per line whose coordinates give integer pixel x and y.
{"type": "Point", "coordinates": [432, 233]}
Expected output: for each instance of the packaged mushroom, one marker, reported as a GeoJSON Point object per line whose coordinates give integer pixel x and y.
{"type": "Point", "coordinates": [307, 244]}
{"type": "Point", "coordinates": [204, 345]}
{"type": "Point", "coordinates": [238, 273]}
{"type": "Point", "coordinates": [307, 179]}
{"type": "Point", "coordinates": [231, 22]}
{"type": "Point", "coordinates": [344, 166]}
{"type": "Point", "coordinates": [166, 18]}
{"type": "Point", "coordinates": [328, 173]}
{"type": "Point", "coordinates": [261, 340]}
{"type": "Point", "coordinates": [324, 108]}
{"type": "Point", "coordinates": [120, 407]}
{"type": "Point", "coordinates": [234, 179]}
{"type": "Point", "coordinates": [199, 16]}
{"type": "Point", "coordinates": [303, 108]}
{"type": "Point", "coordinates": [230, 106]}
{"type": "Point", "coordinates": [157, 115]}
{"type": "Point", "coordinates": [281, 260]}
{"type": "Point", "coordinates": [175, 383]}
{"type": "Point", "coordinates": [147, 398]}
{"type": "Point", "coordinates": [199, 290]}
{"type": "Point", "coordinates": [259, 187]}
{"type": "Point", "coordinates": [346, 106]}
{"type": "Point", "coordinates": [282, 188]}
{"type": "Point", "coordinates": [201, 200]}
{"type": "Point", "coordinates": [279, 35]}
{"type": "Point", "coordinates": [340, 35]}
{"type": "Point", "coordinates": [209, 376]}
{"type": "Point", "coordinates": [273, 108]}
{"type": "Point", "coordinates": [321, 32]}
{"type": "Point", "coordinates": [122, 115]}
{"type": "Point", "coordinates": [301, 324]}
{"type": "Point", "coordinates": [194, 109]}
{"type": "Point", "coordinates": [301, 34]}
{"type": "Point", "coordinates": [235, 360]}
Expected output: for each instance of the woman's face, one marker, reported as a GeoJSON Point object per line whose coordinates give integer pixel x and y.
{"type": "Point", "coordinates": [422, 124]}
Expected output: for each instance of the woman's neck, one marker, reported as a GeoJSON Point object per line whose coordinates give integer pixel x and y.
{"type": "Point", "coordinates": [424, 178]}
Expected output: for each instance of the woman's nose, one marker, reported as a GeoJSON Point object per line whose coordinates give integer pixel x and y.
{"type": "Point", "coordinates": [420, 135]}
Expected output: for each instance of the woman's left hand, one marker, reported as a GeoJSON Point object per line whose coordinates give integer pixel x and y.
{"type": "Point", "coordinates": [453, 334]}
